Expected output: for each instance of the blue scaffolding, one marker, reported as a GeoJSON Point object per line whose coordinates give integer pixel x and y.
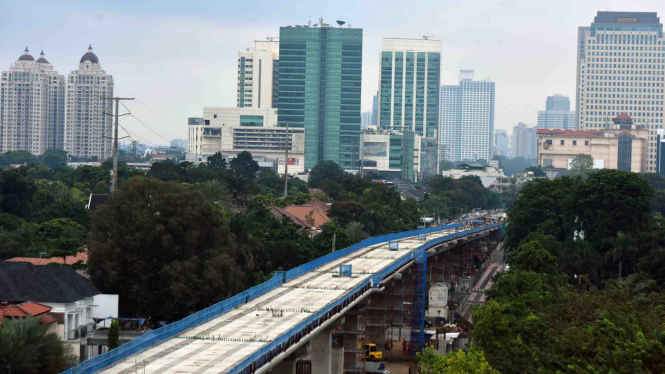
{"type": "Point", "coordinates": [418, 312]}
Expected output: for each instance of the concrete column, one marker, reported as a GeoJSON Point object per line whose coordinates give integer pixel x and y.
{"type": "Point", "coordinates": [375, 321]}
{"type": "Point", "coordinates": [321, 352]}
{"type": "Point", "coordinates": [350, 339]}
{"type": "Point", "coordinates": [337, 360]}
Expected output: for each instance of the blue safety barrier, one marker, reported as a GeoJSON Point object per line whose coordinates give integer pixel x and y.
{"type": "Point", "coordinates": [287, 339]}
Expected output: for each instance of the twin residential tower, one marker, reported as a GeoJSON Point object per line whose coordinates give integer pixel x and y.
{"type": "Point", "coordinates": [41, 110]}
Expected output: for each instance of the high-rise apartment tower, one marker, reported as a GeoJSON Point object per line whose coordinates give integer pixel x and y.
{"type": "Point", "coordinates": [88, 131]}
{"type": "Point", "coordinates": [32, 106]}
{"type": "Point", "coordinates": [467, 119]}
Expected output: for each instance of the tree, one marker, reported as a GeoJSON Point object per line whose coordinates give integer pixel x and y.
{"type": "Point", "coordinates": [581, 165]}
{"type": "Point", "coordinates": [54, 158]}
{"type": "Point", "coordinates": [168, 172]}
{"type": "Point", "coordinates": [244, 163]}
{"type": "Point", "coordinates": [113, 336]}
{"type": "Point", "coordinates": [165, 249]}
{"type": "Point", "coordinates": [624, 246]}
{"type": "Point", "coordinates": [344, 212]}
{"type": "Point", "coordinates": [537, 171]}
{"type": "Point", "coordinates": [26, 347]}
{"type": "Point", "coordinates": [322, 171]}
{"type": "Point", "coordinates": [240, 186]}
{"type": "Point", "coordinates": [355, 232]}
{"type": "Point", "coordinates": [18, 157]}
{"type": "Point", "coordinates": [60, 237]}
{"type": "Point", "coordinates": [457, 362]}
{"type": "Point", "coordinates": [215, 192]}
{"type": "Point", "coordinates": [217, 161]}
{"type": "Point", "coordinates": [15, 193]}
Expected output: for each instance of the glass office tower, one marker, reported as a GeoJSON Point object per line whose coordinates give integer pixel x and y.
{"type": "Point", "coordinates": [319, 89]}
{"type": "Point", "coordinates": [410, 81]}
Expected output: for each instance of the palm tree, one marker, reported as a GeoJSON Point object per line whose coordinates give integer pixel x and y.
{"type": "Point", "coordinates": [354, 231]}
{"type": "Point", "coordinates": [624, 245]}
{"type": "Point", "coordinates": [215, 192]}
{"type": "Point", "coordinates": [240, 186]}
{"type": "Point", "coordinates": [26, 347]}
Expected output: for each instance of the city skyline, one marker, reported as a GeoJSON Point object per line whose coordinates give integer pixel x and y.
{"type": "Point", "coordinates": [193, 50]}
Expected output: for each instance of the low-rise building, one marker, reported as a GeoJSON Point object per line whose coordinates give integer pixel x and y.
{"type": "Point", "coordinates": [401, 155]}
{"type": "Point", "coordinates": [487, 174]}
{"type": "Point", "coordinates": [622, 146]}
{"type": "Point", "coordinates": [309, 216]}
{"type": "Point", "coordinates": [73, 301]}
{"type": "Point", "coordinates": [233, 130]}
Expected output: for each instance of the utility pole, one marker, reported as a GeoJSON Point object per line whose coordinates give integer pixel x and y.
{"type": "Point", "coordinates": [114, 180]}
{"type": "Point", "coordinates": [286, 162]}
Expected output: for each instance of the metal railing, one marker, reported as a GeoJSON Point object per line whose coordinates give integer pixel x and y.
{"type": "Point", "coordinates": [287, 339]}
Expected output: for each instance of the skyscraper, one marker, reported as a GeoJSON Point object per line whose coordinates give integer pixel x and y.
{"type": "Point", "coordinates": [410, 80]}
{"type": "Point", "coordinates": [320, 82]}
{"type": "Point", "coordinates": [32, 106]}
{"type": "Point", "coordinates": [366, 119]}
{"type": "Point", "coordinates": [525, 141]}
{"type": "Point", "coordinates": [501, 144]}
{"type": "Point", "coordinates": [557, 114]}
{"type": "Point", "coordinates": [88, 132]}
{"type": "Point", "coordinates": [258, 74]}
{"type": "Point", "coordinates": [467, 119]}
{"type": "Point", "coordinates": [620, 69]}
{"type": "Point", "coordinates": [375, 110]}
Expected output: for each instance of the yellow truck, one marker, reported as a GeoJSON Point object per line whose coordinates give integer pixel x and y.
{"type": "Point", "coordinates": [369, 352]}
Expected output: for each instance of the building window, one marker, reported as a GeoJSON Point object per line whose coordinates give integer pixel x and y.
{"type": "Point", "coordinates": [586, 142]}
{"type": "Point", "coordinates": [574, 142]}
{"type": "Point", "coordinates": [548, 142]}
{"type": "Point", "coordinates": [563, 142]}
{"type": "Point", "coordinates": [214, 116]}
{"type": "Point", "coordinates": [547, 162]}
{"type": "Point", "coordinates": [625, 152]}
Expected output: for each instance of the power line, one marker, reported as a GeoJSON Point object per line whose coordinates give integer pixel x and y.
{"type": "Point", "coordinates": [164, 119]}
{"type": "Point", "coordinates": [136, 136]}
{"type": "Point", "coordinates": [150, 128]}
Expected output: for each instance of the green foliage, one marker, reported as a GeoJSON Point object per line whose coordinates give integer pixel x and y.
{"type": "Point", "coordinates": [322, 171]}
{"type": "Point", "coordinates": [113, 336]}
{"type": "Point", "coordinates": [244, 163]}
{"type": "Point", "coordinates": [354, 231]}
{"type": "Point", "coordinates": [512, 166]}
{"type": "Point", "coordinates": [17, 157]}
{"type": "Point", "coordinates": [163, 247]}
{"type": "Point", "coordinates": [538, 318]}
{"type": "Point", "coordinates": [27, 347]}
{"type": "Point", "coordinates": [581, 165]}
{"type": "Point", "coordinates": [537, 171]}
{"type": "Point", "coordinates": [345, 212]}
{"type": "Point", "coordinates": [217, 161]}
{"type": "Point", "coordinates": [54, 158]}
{"type": "Point", "coordinates": [456, 196]}
{"type": "Point", "coordinates": [457, 362]}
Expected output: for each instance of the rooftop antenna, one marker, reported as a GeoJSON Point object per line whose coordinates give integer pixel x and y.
{"type": "Point", "coordinates": [309, 23]}
{"type": "Point", "coordinates": [426, 37]}
{"type": "Point", "coordinates": [340, 23]}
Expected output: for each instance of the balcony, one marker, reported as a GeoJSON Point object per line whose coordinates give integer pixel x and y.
{"type": "Point", "coordinates": [80, 332]}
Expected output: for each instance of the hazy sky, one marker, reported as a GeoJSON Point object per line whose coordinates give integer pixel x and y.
{"type": "Point", "coordinates": [177, 56]}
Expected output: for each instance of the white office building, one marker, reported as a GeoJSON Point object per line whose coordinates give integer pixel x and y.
{"type": "Point", "coordinates": [231, 130]}
{"type": "Point", "coordinates": [525, 141]}
{"type": "Point", "coordinates": [88, 132]}
{"type": "Point", "coordinates": [409, 82]}
{"type": "Point", "coordinates": [557, 114]}
{"type": "Point", "coordinates": [258, 75]}
{"type": "Point", "coordinates": [467, 119]}
{"type": "Point", "coordinates": [32, 105]}
{"type": "Point", "coordinates": [621, 68]}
